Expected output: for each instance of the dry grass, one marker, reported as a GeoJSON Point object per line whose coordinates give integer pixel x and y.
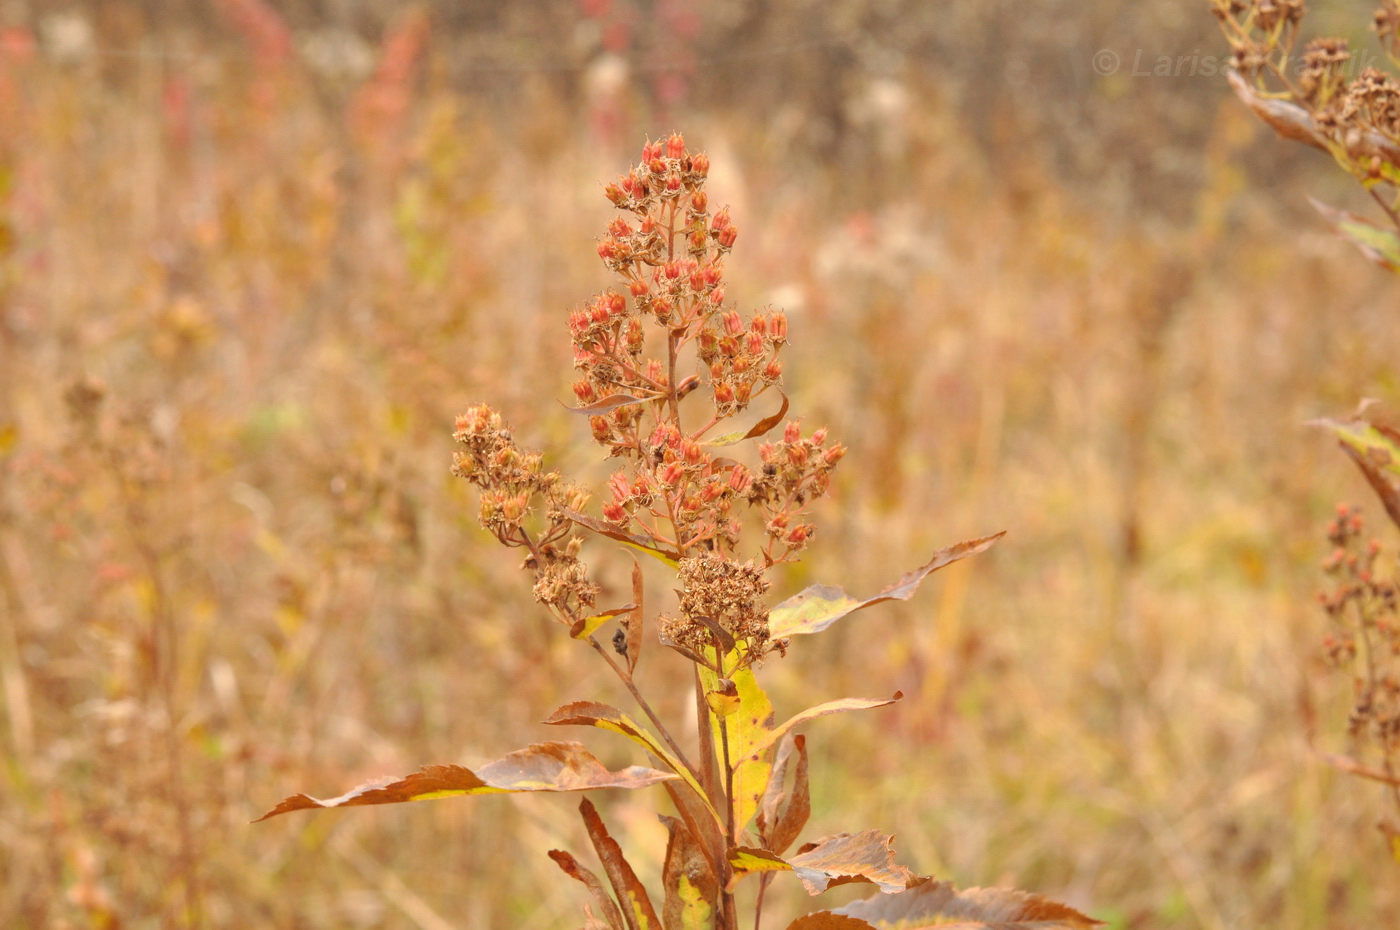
{"type": "Point", "coordinates": [254, 574]}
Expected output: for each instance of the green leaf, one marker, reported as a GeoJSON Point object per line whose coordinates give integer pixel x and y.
{"type": "Point", "coordinates": [821, 710]}
{"type": "Point", "coordinates": [940, 904]}
{"type": "Point", "coordinates": [538, 767]}
{"type": "Point", "coordinates": [819, 606]}
{"type": "Point", "coordinates": [606, 717]}
{"type": "Point", "coordinates": [747, 729]}
{"type": "Point", "coordinates": [692, 890]}
{"type": "Point", "coordinates": [1378, 243]}
{"type": "Point", "coordinates": [586, 627]}
{"type": "Point", "coordinates": [749, 860]}
{"type": "Point", "coordinates": [636, 905]}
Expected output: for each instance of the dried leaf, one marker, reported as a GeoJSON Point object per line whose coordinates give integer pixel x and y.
{"type": "Point", "coordinates": [636, 906]}
{"type": "Point", "coordinates": [940, 904]}
{"type": "Point", "coordinates": [1378, 243]}
{"type": "Point", "coordinates": [758, 429]}
{"type": "Point", "coordinates": [749, 860]}
{"type": "Point", "coordinates": [826, 920]}
{"type": "Point", "coordinates": [746, 729]}
{"type": "Point", "coordinates": [595, 887]}
{"type": "Point", "coordinates": [634, 624]}
{"type": "Point", "coordinates": [783, 813]}
{"type": "Point", "coordinates": [1358, 768]}
{"type": "Point", "coordinates": [852, 857]}
{"type": "Point", "coordinates": [1287, 119]}
{"type": "Point", "coordinates": [821, 710]}
{"type": "Point", "coordinates": [582, 629]}
{"type": "Point", "coordinates": [591, 922]}
{"type": "Point", "coordinates": [819, 606]}
{"type": "Point", "coordinates": [606, 717]}
{"type": "Point", "coordinates": [640, 543]}
{"type": "Point", "coordinates": [1377, 453]}
{"type": "Point", "coordinates": [609, 403]}
{"type": "Point", "coordinates": [724, 700]}
{"type": "Point", "coordinates": [538, 767]}
{"type": "Point", "coordinates": [692, 890]}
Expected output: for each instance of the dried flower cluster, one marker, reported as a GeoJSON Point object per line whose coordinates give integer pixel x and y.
{"type": "Point", "coordinates": [673, 493]}
{"type": "Point", "coordinates": [1365, 642]}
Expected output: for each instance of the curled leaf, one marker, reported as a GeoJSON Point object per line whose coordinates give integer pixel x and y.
{"type": "Point", "coordinates": [940, 904]}
{"type": "Point", "coordinates": [852, 857]}
{"type": "Point", "coordinates": [774, 734]}
{"type": "Point", "coordinates": [1379, 244]}
{"type": "Point", "coordinates": [1287, 119]}
{"type": "Point", "coordinates": [582, 629]}
{"type": "Point", "coordinates": [748, 860]}
{"type": "Point", "coordinates": [784, 813]}
{"type": "Point", "coordinates": [611, 915]}
{"type": "Point", "coordinates": [538, 767]}
{"type": "Point", "coordinates": [640, 543]}
{"type": "Point", "coordinates": [692, 891]}
{"type": "Point", "coordinates": [826, 920]}
{"type": "Point", "coordinates": [608, 404]}
{"type": "Point", "coordinates": [635, 621]}
{"type": "Point", "coordinates": [636, 905]}
{"type": "Point", "coordinates": [758, 429]}
{"type": "Point", "coordinates": [819, 606]}
{"type": "Point", "coordinates": [1376, 451]}
{"type": "Point", "coordinates": [606, 717]}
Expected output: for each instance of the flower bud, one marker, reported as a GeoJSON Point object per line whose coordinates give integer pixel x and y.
{"type": "Point", "coordinates": [697, 239]}
{"type": "Point", "coordinates": [656, 166]}
{"type": "Point", "coordinates": [767, 451]}
{"type": "Point", "coordinates": [714, 273]}
{"type": "Point", "coordinates": [728, 347]}
{"type": "Point", "coordinates": [614, 513]}
{"type": "Point", "coordinates": [819, 437]}
{"type": "Point", "coordinates": [629, 183]}
{"type": "Point", "coordinates": [740, 479]}
{"type": "Point", "coordinates": [583, 390]}
{"type": "Point", "coordinates": [777, 327]}
{"type": "Point", "coordinates": [615, 194]}
{"type": "Point", "coordinates": [619, 486]}
{"type": "Point", "coordinates": [708, 342]}
{"type": "Point", "coordinates": [741, 364]}
{"type": "Point", "coordinates": [648, 226]}
{"type": "Point", "coordinates": [727, 235]}
{"type": "Point", "coordinates": [732, 324]}
{"type": "Point", "coordinates": [617, 304]}
{"type": "Point", "coordinates": [635, 336]}
{"type": "Point", "coordinates": [672, 270]}
{"type": "Point", "coordinates": [799, 534]}
{"type": "Point", "coordinates": [639, 288]}
{"type": "Point", "coordinates": [675, 146]}
{"type": "Point", "coordinates": [672, 474]}
{"type": "Point", "coordinates": [700, 164]}
{"type": "Point", "coordinates": [602, 429]}
{"type": "Point", "coordinates": [744, 390]}
{"type": "Point", "coordinates": [720, 221]}
{"type": "Point", "coordinates": [698, 201]}
{"type": "Point", "coordinates": [648, 153]}
{"type": "Point", "coordinates": [755, 343]}
{"type": "Point", "coordinates": [655, 371]}
{"type": "Point", "coordinates": [574, 546]}
{"type": "Point", "coordinates": [687, 385]}
{"type": "Point", "coordinates": [673, 182]}
{"type": "Point", "coordinates": [692, 453]}
{"type": "Point", "coordinates": [717, 297]}
{"type": "Point", "coordinates": [792, 432]}
{"type": "Point", "coordinates": [773, 370]}
{"type": "Point", "coordinates": [619, 228]}
{"type": "Point", "coordinates": [607, 249]}
{"type": "Point", "coordinates": [716, 370]}
{"type": "Point", "coordinates": [724, 394]}
{"type": "Point", "coordinates": [711, 492]}
{"type": "Point", "coordinates": [697, 281]}
{"type": "Point", "coordinates": [834, 454]}
{"type": "Point", "coordinates": [797, 455]}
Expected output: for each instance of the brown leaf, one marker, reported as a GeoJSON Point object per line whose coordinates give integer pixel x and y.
{"type": "Point", "coordinates": [538, 767]}
{"type": "Point", "coordinates": [783, 813]}
{"type": "Point", "coordinates": [1287, 119]}
{"type": "Point", "coordinates": [940, 904]}
{"type": "Point", "coordinates": [1380, 244]}
{"type": "Point", "coordinates": [1358, 768]}
{"type": "Point", "coordinates": [607, 717]}
{"type": "Point", "coordinates": [749, 860]}
{"type": "Point", "coordinates": [640, 543]}
{"type": "Point", "coordinates": [819, 606]}
{"type": "Point", "coordinates": [587, 626]}
{"type": "Point", "coordinates": [570, 865]}
{"type": "Point", "coordinates": [758, 429]}
{"type": "Point", "coordinates": [852, 857]}
{"type": "Point", "coordinates": [609, 403]}
{"type": "Point", "coordinates": [1376, 451]}
{"type": "Point", "coordinates": [826, 920]}
{"type": "Point", "coordinates": [692, 890]}
{"type": "Point", "coordinates": [634, 623]}
{"type": "Point", "coordinates": [636, 906]}
{"type": "Point", "coordinates": [762, 745]}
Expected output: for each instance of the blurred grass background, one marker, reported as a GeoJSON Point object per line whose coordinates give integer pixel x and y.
{"type": "Point", "coordinates": [287, 243]}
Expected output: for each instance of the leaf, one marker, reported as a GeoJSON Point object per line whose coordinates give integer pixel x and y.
{"type": "Point", "coordinates": [606, 717]}
{"type": "Point", "coordinates": [746, 728]}
{"type": "Point", "coordinates": [640, 543]}
{"type": "Point", "coordinates": [634, 624]}
{"type": "Point", "coordinates": [783, 813]}
{"type": "Point", "coordinates": [852, 857]}
{"type": "Point", "coordinates": [724, 700]}
{"type": "Point", "coordinates": [538, 767]}
{"type": "Point", "coordinates": [940, 904]}
{"type": "Point", "coordinates": [748, 860]}
{"type": "Point", "coordinates": [582, 629]}
{"type": "Point", "coordinates": [1379, 244]}
{"type": "Point", "coordinates": [758, 429]}
{"type": "Point", "coordinates": [609, 403]}
{"type": "Point", "coordinates": [1376, 451]}
{"type": "Point", "coordinates": [1287, 119]}
{"type": "Point", "coordinates": [692, 889]}
{"type": "Point", "coordinates": [636, 906]}
{"type": "Point", "coordinates": [819, 606]}
{"type": "Point", "coordinates": [570, 865]}
{"type": "Point", "coordinates": [826, 920]}
{"type": "Point", "coordinates": [821, 710]}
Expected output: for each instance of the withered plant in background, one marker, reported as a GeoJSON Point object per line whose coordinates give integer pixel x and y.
{"type": "Point", "coordinates": [1318, 100]}
{"type": "Point", "coordinates": [740, 789]}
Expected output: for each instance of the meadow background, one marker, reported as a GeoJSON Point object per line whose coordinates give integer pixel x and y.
{"type": "Point", "coordinates": [255, 256]}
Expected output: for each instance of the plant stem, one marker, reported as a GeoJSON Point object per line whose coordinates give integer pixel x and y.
{"type": "Point", "coordinates": [646, 708]}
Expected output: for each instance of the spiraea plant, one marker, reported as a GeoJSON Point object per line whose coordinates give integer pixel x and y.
{"type": "Point", "coordinates": [1322, 99]}
{"type": "Point", "coordinates": [663, 362]}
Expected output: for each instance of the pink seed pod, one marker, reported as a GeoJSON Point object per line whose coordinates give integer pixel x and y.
{"type": "Point", "coordinates": [792, 432]}
{"type": "Point", "coordinates": [773, 370]}
{"type": "Point", "coordinates": [639, 288]}
{"type": "Point", "coordinates": [724, 394]}
{"type": "Point", "coordinates": [727, 235]}
{"type": "Point", "coordinates": [700, 164]}
{"type": "Point", "coordinates": [614, 513]}
{"type": "Point", "coordinates": [698, 201]}
{"type": "Point", "coordinates": [675, 146]}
